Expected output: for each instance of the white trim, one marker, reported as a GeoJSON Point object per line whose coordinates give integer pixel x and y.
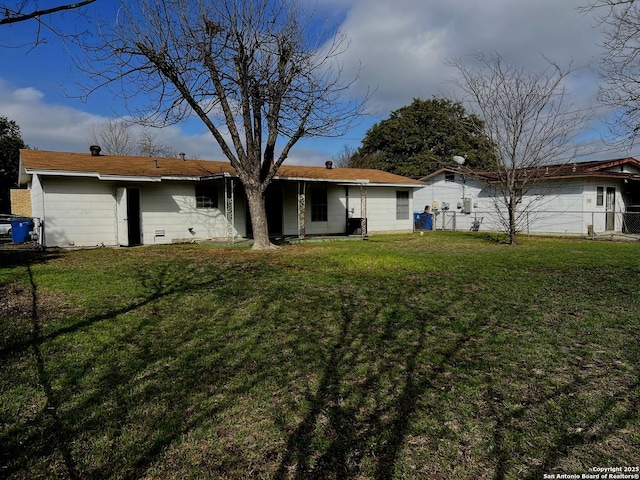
{"type": "Point", "coordinates": [142, 178]}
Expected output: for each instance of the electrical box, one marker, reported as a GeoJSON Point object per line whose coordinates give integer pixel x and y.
{"type": "Point", "coordinates": [467, 205]}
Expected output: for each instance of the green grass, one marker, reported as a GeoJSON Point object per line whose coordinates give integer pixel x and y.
{"type": "Point", "coordinates": [444, 356]}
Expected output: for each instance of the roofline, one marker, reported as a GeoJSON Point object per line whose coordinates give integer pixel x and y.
{"type": "Point", "coordinates": [595, 171]}
{"type": "Point", "coordinates": [144, 178]}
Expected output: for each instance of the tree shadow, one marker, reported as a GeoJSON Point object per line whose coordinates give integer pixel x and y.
{"type": "Point", "coordinates": [11, 258]}
{"type": "Point", "coordinates": [351, 423]}
{"type": "Point", "coordinates": [566, 436]}
{"type": "Point", "coordinates": [52, 431]}
{"type": "Point", "coordinates": [341, 429]}
{"type": "Point", "coordinates": [52, 435]}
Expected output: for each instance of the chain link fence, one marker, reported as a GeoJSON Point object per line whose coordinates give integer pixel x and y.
{"type": "Point", "coordinates": [541, 221]}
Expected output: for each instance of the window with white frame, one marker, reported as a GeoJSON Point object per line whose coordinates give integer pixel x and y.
{"type": "Point", "coordinates": [402, 205]}
{"type": "Point", "coordinates": [600, 196]}
{"type": "Point", "coordinates": [206, 196]}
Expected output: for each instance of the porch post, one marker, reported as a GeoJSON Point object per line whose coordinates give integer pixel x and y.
{"type": "Point", "coordinates": [302, 205]}
{"type": "Point", "coordinates": [229, 208]}
{"type": "Point", "coordinates": [363, 211]}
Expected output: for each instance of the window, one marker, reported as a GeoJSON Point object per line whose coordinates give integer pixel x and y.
{"type": "Point", "coordinates": [319, 206]}
{"type": "Point", "coordinates": [600, 196]}
{"type": "Point", "coordinates": [402, 205]}
{"type": "Point", "coordinates": [449, 177]}
{"type": "Point", "coordinates": [206, 196]}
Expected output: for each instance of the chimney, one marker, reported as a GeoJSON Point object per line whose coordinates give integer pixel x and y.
{"type": "Point", "coordinates": [328, 164]}
{"type": "Point", "coordinates": [95, 150]}
{"type": "Point", "coordinates": [182, 154]}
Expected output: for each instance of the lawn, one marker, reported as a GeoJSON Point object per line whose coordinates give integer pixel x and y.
{"type": "Point", "coordinates": [444, 356]}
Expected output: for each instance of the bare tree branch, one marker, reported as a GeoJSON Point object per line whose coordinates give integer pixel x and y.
{"type": "Point", "coordinates": [114, 137]}
{"type": "Point", "coordinates": [14, 16]}
{"type": "Point", "coordinates": [620, 64]}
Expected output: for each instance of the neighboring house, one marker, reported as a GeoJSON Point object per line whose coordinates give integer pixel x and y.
{"type": "Point", "coordinates": [88, 199]}
{"type": "Point", "coordinates": [577, 198]}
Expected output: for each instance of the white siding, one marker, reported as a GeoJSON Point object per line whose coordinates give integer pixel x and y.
{"type": "Point", "coordinates": [380, 209]}
{"type": "Point", "coordinates": [566, 207]}
{"type": "Point", "coordinates": [37, 198]}
{"type": "Point", "coordinates": [438, 193]}
{"type": "Point", "coordinates": [170, 209]}
{"type": "Point", "coordinates": [78, 212]}
{"type": "Point", "coordinates": [82, 212]}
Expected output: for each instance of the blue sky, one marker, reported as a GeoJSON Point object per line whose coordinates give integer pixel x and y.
{"type": "Point", "coordinates": [401, 46]}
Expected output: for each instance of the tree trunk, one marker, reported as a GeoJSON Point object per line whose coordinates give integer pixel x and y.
{"type": "Point", "coordinates": [512, 223]}
{"type": "Point", "coordinates": [258, 213]}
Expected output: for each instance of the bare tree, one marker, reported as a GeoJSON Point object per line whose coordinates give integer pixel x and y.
{"type": "Point", "coordinates": [118, 137]}
{"type": "Point", "coordinates": [350, 157]}
{"type": "Point", "coordinates": [257, 73]}
{"type": "Point", "coordinates": [620, 63]}
{"type": "Point", "coordinates": [528, 119]}
{"type": "Point", "coordinates": [343, 158]}
{"type": "Point", "coordinates": [114, 137]}
{"type": "Point", "coordinates": [149, 146]}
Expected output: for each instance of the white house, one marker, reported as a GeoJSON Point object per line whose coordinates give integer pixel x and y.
{"type": "Point", "coordinates": [88, 199]}
{"type": "Point", "coordinates": [577, 198]}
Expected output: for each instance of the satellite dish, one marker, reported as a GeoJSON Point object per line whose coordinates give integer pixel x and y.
{"type": "Point", "coordinates": [459, 160]}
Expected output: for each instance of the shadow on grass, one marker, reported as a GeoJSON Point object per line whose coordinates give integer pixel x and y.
{"type": "Point", "coordinates": [509, 448]}
{"type": "Point", "coordinates": [334, 437]}
{"type": "Point", "coordinates": [56, 434]}
{"type": "Point", "coordinates": [23, 258]}
{"type": "Point", "coordinates": [53, 437]}
{"type": "Point", "coordinates": [382, 367]}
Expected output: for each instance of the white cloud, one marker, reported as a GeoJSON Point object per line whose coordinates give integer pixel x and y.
{"type": "Point", "coordinates": [28, 94]}
{"type": "Point", "coordinates": [401, 45]}
{"type": "Point", "coordinates": [50, 126]}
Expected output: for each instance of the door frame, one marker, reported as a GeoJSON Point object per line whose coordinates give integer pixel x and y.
{"type": "Point", "coordinates": [128, 216]}
{"type": "Point", "coordinates": [610, 209]}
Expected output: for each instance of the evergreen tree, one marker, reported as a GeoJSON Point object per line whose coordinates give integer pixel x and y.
{"type": "Point", "coordinates": [10, 144]}
{"type": "Point", "coordinates": [422, 137]}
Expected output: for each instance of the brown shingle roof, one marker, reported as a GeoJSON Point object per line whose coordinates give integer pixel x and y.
{"type": "Point", "coordinates": [149, 167]}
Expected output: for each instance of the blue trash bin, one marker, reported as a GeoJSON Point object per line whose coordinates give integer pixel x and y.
{"type": "Point", "coordinates": [423, 221]}
{"type": "Point", "coordinates": [418, 223]}
{"type": "Point", "coordinates": [20, 230]}
{"type": "Point", "coordinates": [428, 221]}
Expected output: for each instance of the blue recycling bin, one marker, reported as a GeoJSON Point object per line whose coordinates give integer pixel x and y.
{"type": "Point", "coordinates": [417, 221]}
{"type": "Point", "coordinates": [20, 230]}
{"type": "Point", "coordinates": [428, 221]}
{"type": "Point", "coordinates": [423, 221]}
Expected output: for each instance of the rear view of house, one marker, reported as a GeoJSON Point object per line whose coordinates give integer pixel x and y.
{"type": "Point", "coordinates": [88, 199]}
